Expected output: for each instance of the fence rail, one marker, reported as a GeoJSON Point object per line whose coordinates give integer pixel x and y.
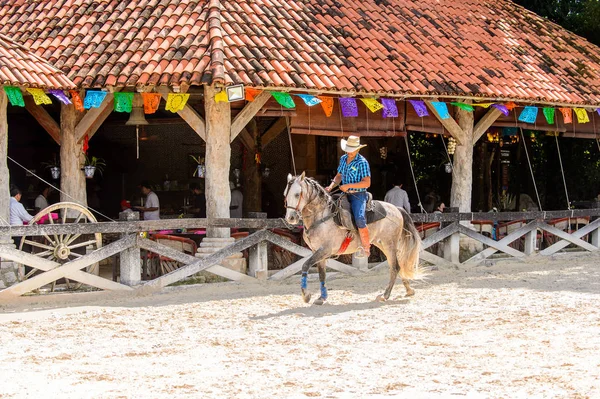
{"type": "Point", "coordinates": [525, 234]}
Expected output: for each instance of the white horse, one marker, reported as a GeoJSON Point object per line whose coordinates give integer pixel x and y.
{"type": "Point", "coordinates": [395, 235]}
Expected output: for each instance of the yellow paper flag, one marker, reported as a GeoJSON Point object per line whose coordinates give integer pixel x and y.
{"type": "Point", "coordinates": [582, 115]}
{"type": "Point", "coordinates": [221, 97]}
{"type": "Point", "coordinates": [372, 104]}
{"type": "Point", "coordinates": [484, 105]}
{"type": "Point", "coordinates": [176, 101]}
{"type": "Point", "coordinates": [39, 96]}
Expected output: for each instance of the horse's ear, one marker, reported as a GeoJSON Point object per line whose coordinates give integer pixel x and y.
{"type": "Point", "coordinates": [290, 177]}
{"type": "Point", "coordinates": [302, 176]}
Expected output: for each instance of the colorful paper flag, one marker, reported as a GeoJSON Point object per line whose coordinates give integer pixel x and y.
{"type": "Point", "coordinates": [464, 106]}
{"type": "Point", "coordinates": [502, 108]}
{"type": "Point", "coordinates": [39, 96]}
{"type": "Point", "coordinates": [510, 105]}
{"type": "Point", "coordinates": [420, 108]}
{"type": "Point", "coordinates": [327, 104]}
{"type": "Point", "coordinates": [151, 102]}
{"type": "Point", "coordinates": [251, 93]}
{"type": "Point", "coordinates": [549, 114]}
{"type": "Point", "coordinates": [349, 107]}
{"type": "Point", "coordinates": [567, 114]}
{"type": "Point", "coordinates": [582, 115]}
{"type": "Point", "coordinates": [221, 97]}
{"type": "Point", "coordinates": [529, 114]}
{"type": "Point", "coordinates": [176, 101]}
{"type": "Point", "coordinates": [123, 102]}
{"type": "Point", "coordinates": [284, 99]}
{"type": "Point", "coordinates": [61, 96]}
{"type": "Point", "coordinates": [441, 108]}
{"type": "Point", "coordinates": [15, 96]}
{"type": "Point", "coordinates": [76, 99]}
{"type": "Point", "coordinates": [483, 105]}
{"type": "Point", "coordinates": [310, 100]}
{"type": "Point", "coordinates": [372, 104]}
{"type": "Point", "coordinates": [390, 109]}
{"type": "Point", "coordinates": [94, 98]}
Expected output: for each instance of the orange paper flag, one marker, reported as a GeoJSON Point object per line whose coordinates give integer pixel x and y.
{"type": "Point", "coordinates": [76, 100]}
{"type": "Point", "coordinates": [567, 114]}
{"type": "Point", "coordinates": [151, 102]}
{"type": "Point", "coordinates": [252, 93]}
{"type": "Point", "coordinates": [327, 104]}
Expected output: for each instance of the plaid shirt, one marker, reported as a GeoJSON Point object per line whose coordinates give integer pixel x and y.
{"type": "Point", "coordinates": [354, 172]}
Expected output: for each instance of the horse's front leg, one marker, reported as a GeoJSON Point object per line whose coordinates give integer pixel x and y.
{"type": "Point", "coordinates": [321, 267]}
{"type": "Point", "coordinates": [319, 255]}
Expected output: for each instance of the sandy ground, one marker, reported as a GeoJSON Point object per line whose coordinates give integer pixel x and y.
{"type": "Point", "coordinates": [511, 330]}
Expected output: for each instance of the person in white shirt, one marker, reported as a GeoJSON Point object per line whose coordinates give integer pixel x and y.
{"type": "Point", "coordinates": [41, 202]}
{"type": "Point", "coordinates": [398, 197]}
{"type": "Point", "coordinates": [18, 214]}
{"type": "Point", "coordinates": [237, 199]}
{"type": "Point", "coordinates": [152, 208]}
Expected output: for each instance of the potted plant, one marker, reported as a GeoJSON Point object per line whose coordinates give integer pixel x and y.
{"type": "Point", "coordinates": [91, 165]}
{"type": "Point", "coordinates": [54, 167]}
{"type": "Point", "coordinates": [200, 168]}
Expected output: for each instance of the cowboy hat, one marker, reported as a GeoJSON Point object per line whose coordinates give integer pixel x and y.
{"type": "Point", "coordinates": [352, 144]}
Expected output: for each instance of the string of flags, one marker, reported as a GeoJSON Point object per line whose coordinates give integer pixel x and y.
{"type": "Point", "coordinates": [175, 102]}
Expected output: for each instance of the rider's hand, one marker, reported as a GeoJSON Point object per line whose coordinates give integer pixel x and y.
{"type": "Point", "coordinates": [328, 188]}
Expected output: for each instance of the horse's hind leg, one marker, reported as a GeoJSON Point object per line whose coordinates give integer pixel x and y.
{"type": "Point", "coordinates": [321, 267]}
{"type": "Point", "coordinates": [409, 291]}
{"type": "Point", "coordinates": [390, 253]}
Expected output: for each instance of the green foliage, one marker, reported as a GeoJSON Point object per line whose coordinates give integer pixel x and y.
{"type": "Point", "coordinates": [98, 163]}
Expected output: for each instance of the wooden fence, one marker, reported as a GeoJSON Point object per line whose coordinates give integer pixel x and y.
{"type": "Point", "coordinates": [444, 231]}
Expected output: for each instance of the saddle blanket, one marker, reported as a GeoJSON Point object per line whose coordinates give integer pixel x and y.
{"type": "Point", "coordinates": [374, 212]}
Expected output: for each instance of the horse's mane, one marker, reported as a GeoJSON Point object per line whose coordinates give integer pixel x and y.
{"type": "Point", "coordinates": [315, 187]}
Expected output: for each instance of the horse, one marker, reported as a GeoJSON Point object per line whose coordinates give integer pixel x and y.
{"type": "Point", "coordinates": [395, 235]}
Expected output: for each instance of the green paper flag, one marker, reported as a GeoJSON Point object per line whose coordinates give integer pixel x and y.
{"type": "Point", "coordinates": [284, 99]}
{"type": "Point", "coordinates": [14, 96]}
{"type": "Point", "coordinates": [123, 102]}
{"type": "Point", "coordinates": [549, 114]}
{"type": "Point", "coordinates": [466, 107]}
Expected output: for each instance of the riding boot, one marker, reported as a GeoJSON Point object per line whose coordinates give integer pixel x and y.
{"type": "Point", "coordinates": [364, 239]}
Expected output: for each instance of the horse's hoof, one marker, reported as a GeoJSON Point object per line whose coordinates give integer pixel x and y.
{"type": "Point", "coordinates": [306, 296]}
{"type": "Point", "coordinates": [410, 293]}
{"type": "Point", "coordinates": [380, 298]}
{"type": "Point", "coordinates": [319, 301]}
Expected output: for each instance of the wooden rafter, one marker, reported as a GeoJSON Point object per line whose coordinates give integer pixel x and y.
{"type": "Point", "coordinates": [247, 139]}
{"type": "Point", "coordinates": [246, 114]}
{"type": "Point", "coordinates": [273, 131]}
{"type": "Point", "coordinates": [484, 123]}
{"type": "Point", "coordinates": [43, 118]}
{"type": "Point", "coordinates": [450, 125]}
{"type": "Point", "coordinates": [93, 119]}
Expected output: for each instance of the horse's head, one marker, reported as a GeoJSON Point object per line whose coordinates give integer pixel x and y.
{"type": "Point", "coordinates": [295, 198]}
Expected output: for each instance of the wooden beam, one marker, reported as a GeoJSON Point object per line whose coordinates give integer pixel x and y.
{"type": "Point", "coordinates": [484, 123]}
{"type": "Point", "coordinates": [450, 125]}
{"type": "Point", "coordinates": [273, 131]}
{"type": "Point", "coordinates": [247, 139]}
{"type": "Point", "coordinates": [43, 118]}
{"type": "Point", "coordinates": [93, 118]}
{"type": "Point", "coordinates": [189, 115]}
{"type": "Point", "coordinates": [4, 172]}
{"type": "Point", "coordinates": [246, 114]}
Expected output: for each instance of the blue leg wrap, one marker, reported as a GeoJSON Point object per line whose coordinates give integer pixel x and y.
{"type": "Point", "coordinates": [323, 290]}
{"type": "Point", "coordinates": [304, 281]}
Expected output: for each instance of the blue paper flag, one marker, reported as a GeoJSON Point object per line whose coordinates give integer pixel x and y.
{"type": "Point", "coordinates": [441, 108]}
{"type": "Point", "coordinates": [309, 100]}
{"type": "Point", "coordinates": [94, 98]}
{"type": "Point", "coordinates": [529, 114]}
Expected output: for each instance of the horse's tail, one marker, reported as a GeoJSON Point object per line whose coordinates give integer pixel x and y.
{"type": "Point", "coordinates": [408, 249]}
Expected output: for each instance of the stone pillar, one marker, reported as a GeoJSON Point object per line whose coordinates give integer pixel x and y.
{"type": "Point", "coordinates": [218, 160]}
{"type": "Point", "coordinates": [130, 259]}
{"type": "Point", "coordinates": [72, 179]}
{"type": "Point", "coordinates": [462, 174]}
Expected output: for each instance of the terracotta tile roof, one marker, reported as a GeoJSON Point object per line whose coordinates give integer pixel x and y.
{"type": "Point", "coordinates": [467, 48]}
{"type": "Point", "coordinates": [21, 67]}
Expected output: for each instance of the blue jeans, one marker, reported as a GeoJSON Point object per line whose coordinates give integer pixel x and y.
{"type": "Point", "coordinates": [358, 203]}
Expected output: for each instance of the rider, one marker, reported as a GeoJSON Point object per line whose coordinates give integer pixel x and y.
{"type": "Point", "coordinates": [354, 174]}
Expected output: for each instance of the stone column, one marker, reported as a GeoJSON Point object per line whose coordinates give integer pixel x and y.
{"type": "Point", "coordinates": [218, 160]}
{"type": "Point", "coordinates": [462, 174]}
{"type": "Point", "coordinates": [72, 179]}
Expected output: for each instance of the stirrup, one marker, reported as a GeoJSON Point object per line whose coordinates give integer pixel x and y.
{"type": "Point", "coordinates": [361, 253]}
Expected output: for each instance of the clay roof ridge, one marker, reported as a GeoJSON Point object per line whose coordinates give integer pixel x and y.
{"type": "Point", "coordinates": [215, 32]}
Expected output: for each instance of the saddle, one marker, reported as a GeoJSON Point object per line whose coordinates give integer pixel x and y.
{"type": "Point", "coordinates": [344, 219]}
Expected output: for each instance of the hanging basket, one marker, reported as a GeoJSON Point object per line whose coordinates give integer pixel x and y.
{"type": "Point", "coordinates": [201, 171]}
{"type": "Point", "coordinates": [89, 171]}
{"type": "Point", "coordinates": [55, 172]}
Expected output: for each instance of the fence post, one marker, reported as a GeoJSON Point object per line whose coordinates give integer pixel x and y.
{"type": "Point", "coordinates": [596, 238]}
{"type": "Point", "coordinates": [360, 263]}
{"type": "Point", "coordinates": [258, 261]}
{"type": "Point", "coordinates": [130, 259]}
{"type": "Point", "coordinates": [452, 243]}
{"type": "Point", "coordinates": [531, 242]}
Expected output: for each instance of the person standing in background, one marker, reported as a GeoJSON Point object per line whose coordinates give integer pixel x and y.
{"type": "Point", "coordinates": [152, 208]}
{"type": "Point", "coordinates": [41, 202]}
{"type": "Point", "coordinates": [237, 199]}
{"type": "Point", "coordinates": [398, 197]}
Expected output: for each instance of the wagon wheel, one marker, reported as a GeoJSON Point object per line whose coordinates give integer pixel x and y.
{"type": "Point", "coordinates": [62, 248]}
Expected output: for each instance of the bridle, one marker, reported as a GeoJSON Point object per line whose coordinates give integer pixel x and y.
{"type": "Point", "coordinates": [299, 198]}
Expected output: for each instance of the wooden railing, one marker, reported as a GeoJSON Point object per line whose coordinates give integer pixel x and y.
{"type": "Point", "coordinates": [447, 237]}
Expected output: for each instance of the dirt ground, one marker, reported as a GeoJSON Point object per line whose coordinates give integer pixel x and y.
{"type": "Point", "coordinates": [511, 330]}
